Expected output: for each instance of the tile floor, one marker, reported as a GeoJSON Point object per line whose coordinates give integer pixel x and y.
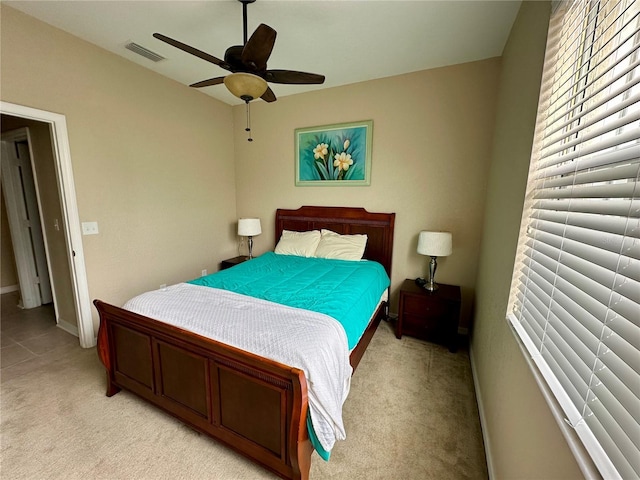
{"type": "Point", "coordinates": [28, 336]}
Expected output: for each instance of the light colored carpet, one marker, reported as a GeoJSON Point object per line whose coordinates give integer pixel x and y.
{"type": "Point", "coordinates": [411, 414]}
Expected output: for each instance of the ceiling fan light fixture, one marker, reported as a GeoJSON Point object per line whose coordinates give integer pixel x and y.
{"type": "Point", "coordinates": [246, 86]}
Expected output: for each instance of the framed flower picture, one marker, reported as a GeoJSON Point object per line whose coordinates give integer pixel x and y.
{"type": "Point", "coordinates": [334, 155]}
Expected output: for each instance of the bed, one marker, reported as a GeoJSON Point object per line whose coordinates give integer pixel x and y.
{"type": "Point", "coordinates": [257, 406]}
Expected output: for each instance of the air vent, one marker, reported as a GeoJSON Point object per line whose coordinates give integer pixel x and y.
{"type": "Point", "coordinates": [145, 52]}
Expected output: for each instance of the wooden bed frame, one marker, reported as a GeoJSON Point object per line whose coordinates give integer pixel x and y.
{"type": "Point", "coordinates": [254, 405]}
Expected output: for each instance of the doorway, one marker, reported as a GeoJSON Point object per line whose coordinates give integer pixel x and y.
{"type": "Point", "coordinates": [72, 255]}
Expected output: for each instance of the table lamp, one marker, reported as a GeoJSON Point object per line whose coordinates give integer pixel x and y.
{"type": "Point", "coordinates": [434, 244]}
{"type": "Point", "coordinates": [249, 227]}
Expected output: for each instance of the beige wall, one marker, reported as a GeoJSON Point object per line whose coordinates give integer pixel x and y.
{"type": "Point", "coordinates": [522, 440]}
{"type": "Point", "coordinates": [431, 148]}
{"type": "Point", "coordinates": [152, 159]}
{"type": "Point", "coordinates": [45, 176]}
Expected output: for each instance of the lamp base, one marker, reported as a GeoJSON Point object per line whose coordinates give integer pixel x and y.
{"type": "Point", "coordinates": [430, 286]}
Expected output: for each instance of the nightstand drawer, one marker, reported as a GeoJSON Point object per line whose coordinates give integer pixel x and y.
{"type": "Point", "coordinates": [424, 306]}
{"type": "Point", "coordinates": [426, 328]}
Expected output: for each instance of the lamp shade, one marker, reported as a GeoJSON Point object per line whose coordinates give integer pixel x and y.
{"type": "Point", "coordinates": [248, 227]}
{"type": "Point", "coordinates": [435, 244]}
{"type": "Point", "coordinates": [246, 85]}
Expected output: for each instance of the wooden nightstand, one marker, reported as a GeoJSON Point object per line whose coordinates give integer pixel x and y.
{"type": "Point", "coordinates": [429, 315]}
{"type": "Point", "coordinates": [230, 262]}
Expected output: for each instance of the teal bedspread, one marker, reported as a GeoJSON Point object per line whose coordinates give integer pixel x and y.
{"type": "Point", "coordinates": [348, 291]}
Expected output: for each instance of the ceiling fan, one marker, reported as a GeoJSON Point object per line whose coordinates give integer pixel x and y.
{"type": "Point", "coordinates": [248, 64]}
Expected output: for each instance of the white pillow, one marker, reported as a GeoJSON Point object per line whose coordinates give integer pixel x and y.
{"type": "Point", "coordinates": [341, 247]}
{"type": "Point", "coordinates": [302, 244]}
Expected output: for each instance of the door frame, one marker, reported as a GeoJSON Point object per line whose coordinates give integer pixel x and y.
{"type": "Point", "coordinates": [32, 252]}
{"type": "Point", "coordinates": [69, 207]}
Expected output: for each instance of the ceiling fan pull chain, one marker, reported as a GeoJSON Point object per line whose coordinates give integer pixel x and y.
{"type": "Point", "coordinates": [248, 129]}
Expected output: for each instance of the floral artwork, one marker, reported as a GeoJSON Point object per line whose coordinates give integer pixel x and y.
{"type": "Point", "coordinates": [337, 155]}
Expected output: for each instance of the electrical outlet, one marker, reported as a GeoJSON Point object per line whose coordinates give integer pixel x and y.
{"type": "Point", "coordinates": [204, 272]}
{"type": "Point", "coordinates": [89, 228]}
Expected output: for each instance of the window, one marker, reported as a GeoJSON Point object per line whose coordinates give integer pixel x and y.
{"type": "Point", "coordinates": [575, 294]}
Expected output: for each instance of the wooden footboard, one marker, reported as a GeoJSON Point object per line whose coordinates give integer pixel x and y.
{"type": "Point", "coordinates": [256, 406]}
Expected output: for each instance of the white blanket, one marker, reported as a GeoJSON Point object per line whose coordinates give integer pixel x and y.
{"type": "Point", "coordinates": [312, 342]}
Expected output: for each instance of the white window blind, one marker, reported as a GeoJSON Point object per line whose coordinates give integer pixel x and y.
{"type": "Point", "coordinates": [575, 295]}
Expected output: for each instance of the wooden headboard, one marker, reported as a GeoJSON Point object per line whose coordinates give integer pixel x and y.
{"type": "Point", "coordinates": [344, 220]}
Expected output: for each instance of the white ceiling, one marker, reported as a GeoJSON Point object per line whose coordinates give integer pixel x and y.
{"type": "Point", "coordinates": [347, 41]}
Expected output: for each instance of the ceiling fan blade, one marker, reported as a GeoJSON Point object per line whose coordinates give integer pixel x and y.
{"type": "Point", "coordinates": [193, 51]}
{"type": "Point", "coordinates": [291, 76]}
{"type": "Point", "coordinates": [269, 96]}
{"type": "Point", "coordinates": [208, 83]}
{"type": "Point", "coordinates": [258, 48]}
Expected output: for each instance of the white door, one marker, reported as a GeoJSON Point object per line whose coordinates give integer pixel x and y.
{"type": "Point", "coordinates": [24, 219]}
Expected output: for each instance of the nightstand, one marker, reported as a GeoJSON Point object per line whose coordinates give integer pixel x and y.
{"type": "Point", "coordinates": [429, 315]}
{"type": "Point", "coordinates": [230, 262]}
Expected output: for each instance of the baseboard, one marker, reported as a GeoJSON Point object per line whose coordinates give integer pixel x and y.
{"type": "Point", "coordinates": [483, 423]}
{"type": "Point", "coordinates": [68, 327]}
{"type": "Point", "coordinates": [9, 289]}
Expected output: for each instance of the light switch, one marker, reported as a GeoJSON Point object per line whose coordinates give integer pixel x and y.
{"type": "Point", "coordinates": [89, 228]}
